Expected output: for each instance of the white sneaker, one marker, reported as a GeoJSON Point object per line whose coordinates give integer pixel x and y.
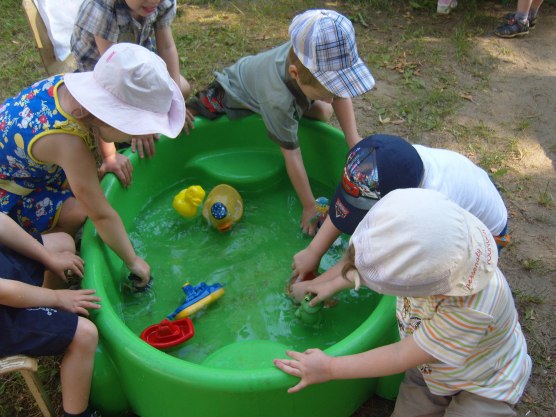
{"type": "Point", "coordinates": [445, 6]}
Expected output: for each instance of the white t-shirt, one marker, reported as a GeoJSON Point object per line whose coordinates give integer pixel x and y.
{"type": "Point", "coordinates": [464, 183]}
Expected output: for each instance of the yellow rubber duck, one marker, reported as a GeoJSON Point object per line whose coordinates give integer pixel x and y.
{"type": "Point", "coordinates": [187, 201]}
{"type": "Point", "coordinates": [223, 207]}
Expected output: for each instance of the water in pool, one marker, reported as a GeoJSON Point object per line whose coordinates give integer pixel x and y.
{"type": "Point", "coordinates": [252, 261]}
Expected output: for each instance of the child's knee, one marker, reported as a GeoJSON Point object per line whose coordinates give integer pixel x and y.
{"type": "Point", "coordinates": [72, 216]}
{"type": "Point", "coordinates": [59, 242]}
{"type": "Point", "coordinates": [86, 335]}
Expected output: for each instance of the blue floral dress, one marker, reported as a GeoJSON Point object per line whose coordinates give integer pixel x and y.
{"type": "Point", "coordinates": [31, 191]}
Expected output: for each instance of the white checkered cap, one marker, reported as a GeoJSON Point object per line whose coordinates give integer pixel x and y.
{"type": "Point", "coordinates": [324, 41]}
{"type": "Point", "coordinates": [417, 242]}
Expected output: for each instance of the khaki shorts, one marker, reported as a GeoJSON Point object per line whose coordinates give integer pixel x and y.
{"type": "Point", "coordinates": [416, 400]}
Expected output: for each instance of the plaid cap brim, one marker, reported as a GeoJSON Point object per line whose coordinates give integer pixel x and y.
{"type": "Point", "coordinates": [347, 83]}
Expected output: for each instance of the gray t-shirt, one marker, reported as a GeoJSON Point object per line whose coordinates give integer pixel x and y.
{"type": "Point", "coordinates": [261, 83]}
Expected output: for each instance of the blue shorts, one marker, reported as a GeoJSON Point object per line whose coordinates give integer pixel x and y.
{"type": "Point", "coordinates": [38, 331]}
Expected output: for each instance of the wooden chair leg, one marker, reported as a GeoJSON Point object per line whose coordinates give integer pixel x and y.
{"type": "Point", "coordinates": [27, 367]}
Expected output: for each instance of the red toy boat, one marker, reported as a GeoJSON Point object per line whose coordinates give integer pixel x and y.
{"type": "Point", "coordinates": [167, 334]}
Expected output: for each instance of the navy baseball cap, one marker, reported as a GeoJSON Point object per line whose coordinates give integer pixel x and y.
{"type": "Point", "coordinates": [375, 166]}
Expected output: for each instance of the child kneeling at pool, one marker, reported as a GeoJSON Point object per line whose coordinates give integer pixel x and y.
{"type": "Point", "coordinates": [461, 343]}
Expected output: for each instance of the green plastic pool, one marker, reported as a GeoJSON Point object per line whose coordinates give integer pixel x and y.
{"type": "Point", "coordinates": [226, 368]}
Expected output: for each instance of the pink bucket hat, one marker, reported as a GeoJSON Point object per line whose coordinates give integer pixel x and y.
{"type": "Point", "coordinates": [324, 41]}
{"type": "Point", "coordinates": [416, 242]}
{"type": "Point", "coordinates": [131, 90]}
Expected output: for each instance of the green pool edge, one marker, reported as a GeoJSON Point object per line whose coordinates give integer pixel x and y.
{"type": "Point", "coordinates": [130, 375]}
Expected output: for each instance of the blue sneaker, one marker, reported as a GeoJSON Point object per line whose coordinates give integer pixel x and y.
{"type": "Point", "coordinates": [512, 29]}
{"type": "Point", "coordinates": [532, 20]}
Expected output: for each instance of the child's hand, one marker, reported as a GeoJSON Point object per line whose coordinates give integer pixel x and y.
{"type": "Point", "coordinates": [308, 225]}
{"type": "Point", "coordinates": [312, 366]}
{"type": "Point", "coordinates": [305, 262]}
{"type": "Point", "coordinates": [118, 164]}
{"type": "Point", "coordinates": [298, 290]}
{"type": "Point", "coordinates": [77, 301]}
{"type": "Point", "coordinates": [144, 145]}
{"type": "Point", "coordinates": [189, 119]}
{"type": "Point", "coordinates": [142, 269]}
{"type": "Point", "coordinates": [64, 264]}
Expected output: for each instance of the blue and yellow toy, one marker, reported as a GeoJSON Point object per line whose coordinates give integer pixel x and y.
{"type": "Point", "coordinates": [322, 205]}
{"type": "Point", "coordinates": [187, 201]}
{"type": "Point", "coordinates": [223, 207]}
{"type": "Point", "coordinates": [196, 297]}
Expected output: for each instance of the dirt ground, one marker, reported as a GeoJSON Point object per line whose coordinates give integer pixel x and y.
{"type": "Point", "coordinates": [517, 104]}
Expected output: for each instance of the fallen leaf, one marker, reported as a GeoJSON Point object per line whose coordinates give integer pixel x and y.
{"type": "Point", "coordinates": [384, 121]}
{"type": "Point", "coordinates": [467, 96]}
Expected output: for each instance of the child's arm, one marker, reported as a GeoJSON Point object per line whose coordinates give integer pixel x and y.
{"type": "Point", "coordinates": [112, 161]}
{"type": "Point", "coordinates": [300, 181]}
{"type": "Point", "coordinates": [324, 286]}
{"type": "Point", "coordinates": [308, 259]}
{"type": "Point", "coordinates": [314, 366]}
{"type": "Point", "coordinates": [14, 237]}
{"type": "Point", "coordinates": [21, 295]}
{"type": "Point", "coordinates": [79, 165]}
{"type": "Point", "coordinates": [343, 108]}
{"type": "Point", "coordinates": [166, 48]}
{"type": "Point", "coordinates": [115, 162]}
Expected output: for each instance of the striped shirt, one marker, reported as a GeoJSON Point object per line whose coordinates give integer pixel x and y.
{"type": "Point", "coordinates": [112, 20]}
{"type": "Point", "coordinates": [477, 340]}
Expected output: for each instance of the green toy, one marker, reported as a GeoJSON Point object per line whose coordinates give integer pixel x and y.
{"type": "Point", "coordinates": [308, 314]}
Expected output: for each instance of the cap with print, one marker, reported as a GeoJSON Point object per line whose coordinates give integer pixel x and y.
{"type": "Point", "coordinates": [375, 166]}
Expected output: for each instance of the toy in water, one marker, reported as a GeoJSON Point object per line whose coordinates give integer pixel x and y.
{"type": "Point", "coordinates": [322, 205]}
{"type": "Point", "coordinates": [135, 279]}
{"type": "Point", "coordinates": [223, 207]}
{"type": "Point", "coordinates": [167, 334]}
{"type": "Point", "coordinates": [196, 297]}
{"type": "Point", "coordinates": [187, 201]}
{"type": "Point", "coordinates": [308, 314]}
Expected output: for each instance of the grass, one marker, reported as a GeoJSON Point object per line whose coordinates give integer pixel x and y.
{"type": "Point", "coordinates": [428, 67]}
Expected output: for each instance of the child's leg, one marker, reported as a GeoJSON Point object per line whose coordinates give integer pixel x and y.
{"type": "Point", "coordinates": [57, 242]}
{"type": "Point", "coordinates": [77, 367]}
{"type": "Point", "coordinates": [466, 404]}
{"type": "Point", "coordinates": [415, 398]}
{"type": "Point", "coordinates": [320, 111]}
{"type": "Point", "coordinates": [71, 217]}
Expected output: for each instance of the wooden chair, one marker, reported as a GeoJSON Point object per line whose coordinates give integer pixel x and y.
{"type": "Point", "coordinates": [27, 367]}
{"type": "Point", "coordinates": [43, 42]}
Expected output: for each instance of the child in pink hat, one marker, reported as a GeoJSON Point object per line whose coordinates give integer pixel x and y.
{"type": "Point", "coordinates": [49, 134]}
{"type": "Point", "coordinates": [461, 347]}
{"type": "Point", "coordinates": [102, 23]}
